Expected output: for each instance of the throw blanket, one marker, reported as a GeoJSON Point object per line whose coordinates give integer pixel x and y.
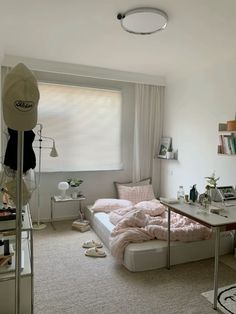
{"type": "Point", "coordinates": [149, 222]}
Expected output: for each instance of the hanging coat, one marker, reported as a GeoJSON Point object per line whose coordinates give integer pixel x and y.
{"type": "Point", "coordinates": [29, 160]}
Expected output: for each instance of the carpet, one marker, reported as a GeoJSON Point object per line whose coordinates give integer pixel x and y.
{"type": "Point", "coordinates": [226, 301]}
{"type": "Point", "coordinates": [68, 282]}
{"type": "Point", "coordinates": [229, 260]}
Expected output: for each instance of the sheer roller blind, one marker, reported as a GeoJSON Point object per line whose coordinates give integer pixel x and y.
{"type": "Point", "coordinates": [86, 125]}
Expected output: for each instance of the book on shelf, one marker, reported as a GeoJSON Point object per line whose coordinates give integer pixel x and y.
{"type": "Point", "coordinates": [227, 144]}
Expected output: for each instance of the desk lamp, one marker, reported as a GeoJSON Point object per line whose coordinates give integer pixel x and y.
{"type": "Point", "coordinates": [63, 186]}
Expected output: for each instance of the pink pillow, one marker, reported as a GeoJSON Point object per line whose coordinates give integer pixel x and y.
{"type": "Point", "coordinates": [109, 204]}
{"type": "Point", "coordinates": [136, 194]}
{"type": "Point", "coordinates": [142, 182]}
{"type": "Point", "coordinates": [152, 208]}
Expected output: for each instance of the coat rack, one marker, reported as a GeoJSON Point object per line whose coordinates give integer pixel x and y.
{"type": "Point", "coordinates": [20, 96]}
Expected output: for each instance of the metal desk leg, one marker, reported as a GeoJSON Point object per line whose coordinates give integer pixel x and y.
{"type": "Point", "coordinates": [217, 247]}
{"type": "Point", "coordinates": [168, 240]}
{"type": "Point", "coordinates": [52, 201]}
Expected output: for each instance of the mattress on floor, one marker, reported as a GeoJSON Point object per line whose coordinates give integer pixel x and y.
{"type": "Point", "coordinates": [152, 254]}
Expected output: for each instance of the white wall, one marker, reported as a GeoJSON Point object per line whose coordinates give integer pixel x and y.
{"type": "Point", "coordinates": [195, 104]}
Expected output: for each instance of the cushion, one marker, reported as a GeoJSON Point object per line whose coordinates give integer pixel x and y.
{"type": "Point", "coordinates": [136, 194]}
{"type": "Point", "coordinates": [142, 182]}
{"type": "Point", "coordinates": [107, 205]}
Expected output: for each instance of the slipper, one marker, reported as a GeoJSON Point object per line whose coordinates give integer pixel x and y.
{"type": "Point", "coordinates": [94, 252]}
{"type": "Point", "coordinates": [91, 244]}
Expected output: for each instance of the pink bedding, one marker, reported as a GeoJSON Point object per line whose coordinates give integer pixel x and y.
{"type": "Point", "coordinates": [149, 222]}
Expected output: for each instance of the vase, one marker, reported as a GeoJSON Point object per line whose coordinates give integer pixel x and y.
{"type": "Point", "coordinates": [74, 193]}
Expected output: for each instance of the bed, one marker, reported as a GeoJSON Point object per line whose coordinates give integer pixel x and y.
{"type": "Point", "coordinates": [152, 254]}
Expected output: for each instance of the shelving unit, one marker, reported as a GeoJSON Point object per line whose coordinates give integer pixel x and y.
{"type": "Point", "coordinates": [7, 274]}
{"type": "Point", "coordinates": [227, 141]}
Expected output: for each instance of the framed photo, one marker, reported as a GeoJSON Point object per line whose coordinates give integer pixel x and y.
{"type": "Point", "coordinates": [165, 145]}
{"type": "Point", "coordinates": [226, 193]}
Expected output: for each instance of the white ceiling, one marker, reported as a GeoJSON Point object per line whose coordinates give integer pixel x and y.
{"type": "Point", "coordinates": [200, 33]}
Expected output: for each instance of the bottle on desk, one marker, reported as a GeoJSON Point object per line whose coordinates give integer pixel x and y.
{"type": "Point", "coordinates": [180, 194]}
{"type": "Point", "coordinates": [193, 194]}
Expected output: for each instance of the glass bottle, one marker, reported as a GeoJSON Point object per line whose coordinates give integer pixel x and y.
{"type": "Point", "coordinates": [180, 194]}
{"type": "Point", "coordinates": [193, 194]}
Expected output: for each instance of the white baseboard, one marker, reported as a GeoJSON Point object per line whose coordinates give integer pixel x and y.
{"type": "Point", "coordinates": [45, 220]}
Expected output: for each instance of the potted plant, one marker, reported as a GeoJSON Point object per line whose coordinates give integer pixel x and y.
{"type": "Point", "coordinates": [212, 183]}
{"type": "Point", "coordinates": [74, 184]}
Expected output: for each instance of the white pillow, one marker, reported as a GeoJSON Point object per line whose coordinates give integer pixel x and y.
{"type": "Point", "coordinates": [136, 194]}
{"type": "Point", "coordinates": [152, 208]}
{"type": "Point", "coordinates": [109, 204]}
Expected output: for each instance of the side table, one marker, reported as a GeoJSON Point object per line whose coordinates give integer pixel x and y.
{"type": "Point", "coordinates": [57, 199]}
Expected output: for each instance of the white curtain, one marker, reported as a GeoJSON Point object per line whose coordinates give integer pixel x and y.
{"type": "Point", "coordinates": [5, 136]}
{"type": "Point", "coordinates": [149, 102]}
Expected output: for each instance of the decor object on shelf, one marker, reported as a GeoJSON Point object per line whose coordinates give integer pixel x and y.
{"type": "Point", "coordinates": [63, 186]}
{"type": "Point", "coordinates": [231, 125]}
{"type": "Point", "coordinates": [170, 155]}
{"type": "Point", "coordinates": [165, 145]}
{"type": "Point", "coordinates": [143, 21]}
{"type": "Point", "coordinates": [53, 153]}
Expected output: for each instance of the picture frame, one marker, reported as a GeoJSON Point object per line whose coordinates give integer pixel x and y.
{"type": "Point", "coordinates": [225, 193]}
{"type": "Point", "coordinates": [164, 147]}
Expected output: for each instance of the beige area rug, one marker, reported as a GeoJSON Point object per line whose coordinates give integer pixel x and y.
{"type": "Point", "coordinates": [226, 301]}
{"type": "Point", "coordinates": [67, 281]}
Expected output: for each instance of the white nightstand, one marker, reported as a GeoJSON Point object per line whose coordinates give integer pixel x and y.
{"type": "Point", "coordinates": [57, 199]}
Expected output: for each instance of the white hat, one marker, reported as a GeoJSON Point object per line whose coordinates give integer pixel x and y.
{"type": "Point", "coordinates": [20, 96]}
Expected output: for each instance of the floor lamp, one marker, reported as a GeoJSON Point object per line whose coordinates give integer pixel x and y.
{"type": "Point", "coordinates": [38, 225]}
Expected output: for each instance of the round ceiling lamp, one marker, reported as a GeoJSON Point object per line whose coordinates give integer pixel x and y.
{"type": "Point", "coordinates": [143, 21]}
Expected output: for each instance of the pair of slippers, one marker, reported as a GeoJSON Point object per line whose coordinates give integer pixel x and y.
{"type": "Point", "coordinates": [93, 249]}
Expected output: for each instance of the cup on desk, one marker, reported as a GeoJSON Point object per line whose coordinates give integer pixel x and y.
{"type": "Point", "coordinates": [186, 198]}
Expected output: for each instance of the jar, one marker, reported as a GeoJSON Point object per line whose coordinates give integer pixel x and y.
{"type": "Point", "coordinates": [180, 194]}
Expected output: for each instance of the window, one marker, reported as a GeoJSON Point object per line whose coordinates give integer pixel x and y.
{"type": "Point", "coordinates": [86, 125]}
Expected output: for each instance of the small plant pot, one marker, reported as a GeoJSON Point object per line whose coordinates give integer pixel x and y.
{"type": "Point", "coordinates": [75, 192]}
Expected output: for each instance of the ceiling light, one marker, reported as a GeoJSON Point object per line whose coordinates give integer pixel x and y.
{"type": "Point", "coordinates": [143, 21]}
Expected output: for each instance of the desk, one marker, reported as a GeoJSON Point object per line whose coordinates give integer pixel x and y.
{"type": "Point", "coordinates": [57, 199]}
{"type": "Point", "coordinates": [208, 219]}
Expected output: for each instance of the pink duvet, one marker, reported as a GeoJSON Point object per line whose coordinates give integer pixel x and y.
{"type": "Point", "coordinates": [142, 223]}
